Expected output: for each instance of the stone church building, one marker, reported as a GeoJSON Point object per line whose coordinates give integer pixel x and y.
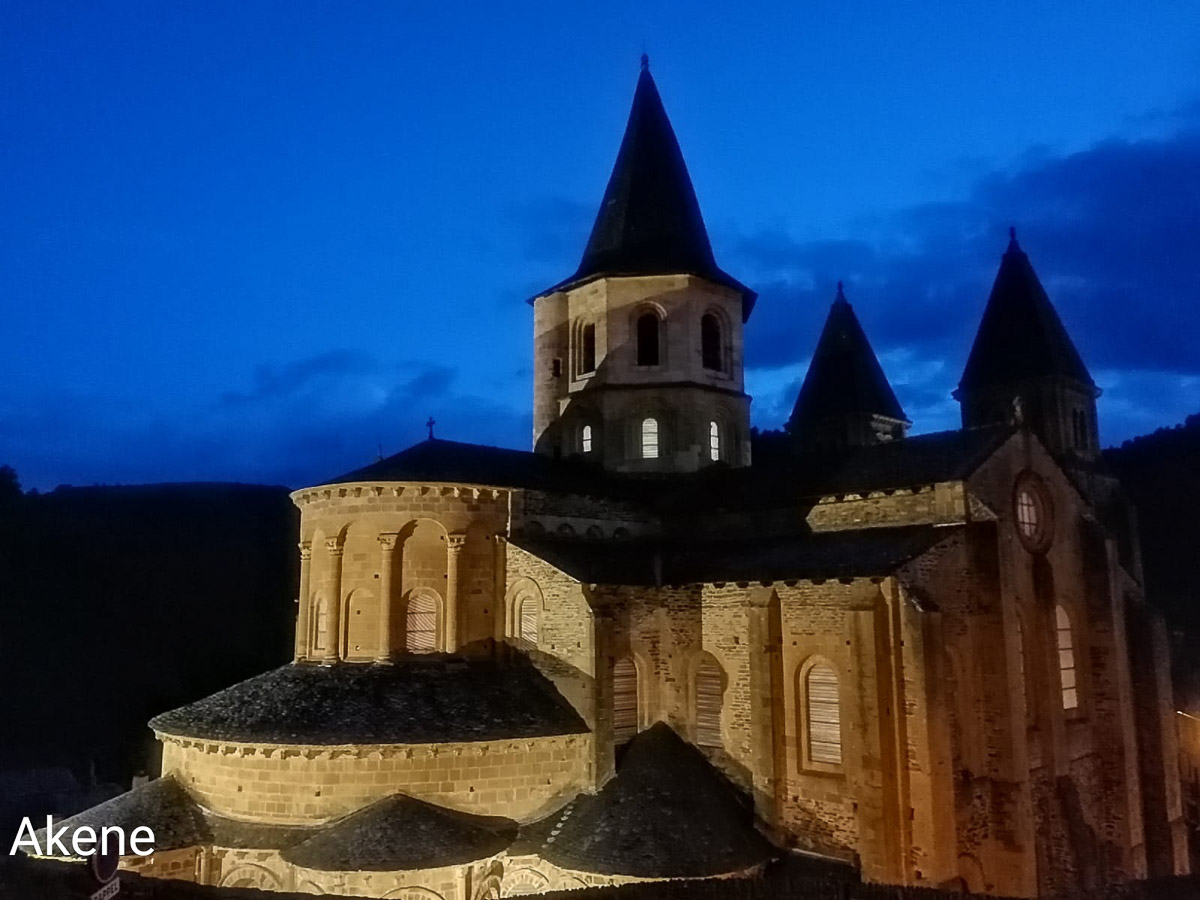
{"type": "Point", "coordinates": [651, 648]}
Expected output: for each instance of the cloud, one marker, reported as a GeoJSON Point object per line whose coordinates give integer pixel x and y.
{"type": "Point", "coordinates": [297, 423]}
{"type": "Point", "coordinates": [1111, 230]}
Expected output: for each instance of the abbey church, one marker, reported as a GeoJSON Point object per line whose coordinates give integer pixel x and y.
{"type": "Point", "coordinates": [643, 651]}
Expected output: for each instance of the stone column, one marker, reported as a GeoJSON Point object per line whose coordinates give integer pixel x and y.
{"type": "Point", "coordinates": [387, 546]}
{"type": "Point", "coordinates": [762, 654]}
{"type": "Point", "coordinates": [304, 602]}
{"type": "Point", "coordinates": [500, 568]}
{"type": "Point", "coordinates": [454, 546]}
{"type": "Point", "coordinates": [334, 649]}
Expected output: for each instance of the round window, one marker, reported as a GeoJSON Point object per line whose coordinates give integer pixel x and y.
{"type": "Point", "coordinates": [1032, 512]}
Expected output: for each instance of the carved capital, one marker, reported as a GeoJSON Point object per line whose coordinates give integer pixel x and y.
{"type": "Point", "coordinates": [501, 539]}
{"type": "Point", "coordinates": [334, 546]}
{"type": "Point", "coordinates": [456, 541]}
{"type": "Point", "coordinates": [387, 540]}
{"type": "Point", "coordinates": [305, 550]}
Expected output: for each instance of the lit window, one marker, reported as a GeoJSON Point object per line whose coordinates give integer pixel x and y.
{"type": "Point", "coordinates": [650, 439]}
{"type": "Point", "coordinates": [1027, 513]}
{"type": "Point", "coordinates": [1033, 513]}
{"type": "Point", "coordinates": [586, 439]}
{"type": "Point", "coordinates": [1066, 659]}
{"type": "Point", "coordinates": [714, 441]}
{"type": "Point", "coordinates": [527, 620]}
{"type": "Point", "coordinates": [710, 342]}
{"type": "Point", "coordinates": [709, 688]}
{"type": "Point", "coordinates": [824, 716]}
{"type": "Point", "coordinates": [647, 339]}
{"type": "Point", "coordinates": [420, 624]}
{"type": "Point", "coordinates": [587, 352]}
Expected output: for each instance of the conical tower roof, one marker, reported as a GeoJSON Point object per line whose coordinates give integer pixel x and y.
{"type": "Point", "coordinates": [649, 222]}
{"type": "Point", "coordinates": [844, 377]}
{"type": "Point", "coordinates": [1021, 335]}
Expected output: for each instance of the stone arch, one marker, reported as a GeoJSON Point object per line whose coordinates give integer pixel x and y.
{"type": "Point", "coordinates": [308, 886]}
{"type": "Point", "coordinates": [523, 882]}
{"type": "Point", "coordinates": [488, 888]}
{"type": "Point", "coordinates": [570, 883]}
{"type": "Point", "coordinates": [819, 704]}
{"type": "Point", "coordinates": [523, 608]}
{"type": "Point", "coordinates": [648, 326]}
{"type": "Point", "coordinates": [318, 625]}
{"type": "Point", "coordinates": [715, 340]}
{"type": "Point", "coordinates": [423, 547]}
{"type": "Point", "coordinates": [424, 621]}
{"type": "Point", "coordinates": [360, 625]}
{"type": "Point", "coordinates": [412, 893]}
{"type": "Point", "coordinates": [706, 688]}
{"type": "Point", "coordinates": [253, 876]}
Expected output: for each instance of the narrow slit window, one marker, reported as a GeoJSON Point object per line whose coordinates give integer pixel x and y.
{"type": "Point", "coordinates": [824, 716]}
{"type": "Point", "coordinates": [625, 700]}
{"type": "Point", "coordinates": [709, 689]}
{"type": "Point", "coordinates": [321, 625]}
{"type": "Point", "coordinates": [714, 441]}
{"type": "Point", "coordinates": [585, 440]}
{"type": "Point", "coordinates": [420, 625]}
{"type": "Point", "coordinates": [1027, 514]}
{"type": "Point", "coordinates": [1066, 659]}
{"type": "Point", "coordinates": [710, 342]}
{"type": "Point", "coordinates": [587, 349]}
{"type": "Point", "coordinates": [650, 439]}
{"type": "Point", "coordinates": [647, 339]}
{"type": "Point", "coordinates": [527, 620]}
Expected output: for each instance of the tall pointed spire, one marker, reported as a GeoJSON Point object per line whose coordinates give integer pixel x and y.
{"type": "Point", "coordinates": [649, 222]}
{"type": "Point", "coordinates": [1020, 336]}
{"type": "Point", "coordinates": [845, 398]}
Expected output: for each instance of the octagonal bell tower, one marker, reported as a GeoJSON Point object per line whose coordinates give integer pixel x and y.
{"type": "Point", "coordinates": [638, 355]}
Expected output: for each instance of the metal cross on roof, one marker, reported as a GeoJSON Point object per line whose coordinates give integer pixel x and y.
{"type": "Point", "coordinates": [429, 424]}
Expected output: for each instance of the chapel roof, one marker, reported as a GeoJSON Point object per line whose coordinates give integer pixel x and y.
{"type": "Point", "coordinates": [1020, 335]}
{"type": "Point", "coordinates": [863, 553]}
{"type": "Point", "coordinates": [844, 377]}
{"type": "Point", "coordinates": [649, 222]}
{"type": "Point", "coordinates": [401, 833]}
{"type": "Point", "coordinates": [667, 813]}
{"type": "Point", "coordinates": [420, 698]}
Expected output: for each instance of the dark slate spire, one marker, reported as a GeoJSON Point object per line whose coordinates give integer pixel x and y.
{"type": "Point", "coordinates": [1021, 336]}
{"type": "Point", "coordinates": [844, 381]}
{"type": "Point", "coordinates": [649, 221]}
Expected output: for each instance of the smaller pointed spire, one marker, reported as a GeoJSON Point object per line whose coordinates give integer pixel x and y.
{"type": "Point", "coordinates": [1012, 235]}
{"type": "Point", "coordinates": [841, 294]}
{"type": "Point", "coordinates": [645, 61]}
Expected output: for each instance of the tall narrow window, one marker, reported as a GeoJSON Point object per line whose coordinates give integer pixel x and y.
{"type": "Point", "coordinates": [824, 716]}
{"type": "Point", "coordinates": [420, 623]}
{"type": "Point", "coordinates": [714, 441]}
{"type": "Point", "coordinates": [708, 690]}
{"type": "Point", "coordinates": [321, 625]}
{"type": "Point", "coordinates": [527, 620]}
{"type": "Point", "coordinates": [585, 439]}
{"type": "Point", "coordinates": [650, 439]}
{"type": "Point", "coordinates": [710, 342]}
{"type": "Point", "coordinates": [625, 700]}
{"type": "Point", "coordinates": [1066, 659]}
{"type": "Point", "coordinates": [647, 339]}
{"type": "Point", "coordinates": [587, 349]}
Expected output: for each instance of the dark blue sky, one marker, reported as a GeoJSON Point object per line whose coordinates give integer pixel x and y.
{"type": "Point", "coordinates": [261, 241]}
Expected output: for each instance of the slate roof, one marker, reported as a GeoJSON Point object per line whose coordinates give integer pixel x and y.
{"type": "Point", "coordinates": [666, 814]}
{"type": "Point", "coordinates": [844, 377]}
{"type": "Point", "coordinates": [649, 222]}
{"type": "Point", "coordinates": [832, 554]}
{"type": "Point", "coordinates": [1020, 335]}
{"type": "Point", "coordinates": [162, 805]}
{"type": "Point", "coordinates": [426, 698]}
{"type": "Point", "coordinates": [402, 833]}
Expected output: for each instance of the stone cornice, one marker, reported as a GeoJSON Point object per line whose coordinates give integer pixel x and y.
{"type": "Point", "coordinates": [468, 493]}
{"type": "Point", "coordinates": [368, 751]}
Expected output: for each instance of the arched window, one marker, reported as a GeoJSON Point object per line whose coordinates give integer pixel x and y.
{"type": "Point", "coordinates": [420, 623]}
{"type": "Point", "coordinates": [708, 689]}
{"type": "Point", "coordinates": [1066, 659]}
{"type": "Point", "coordinates": [649, 438]}
{"type": "Point", "coordinates": [714, 441]}
{"type": "Point", "coordinates": [710, 342]}
{"type": "Point", "coordinates": [527, 619]}
{"type": "Point", "coordinates": [320, 635]}
{"type": "Point", "coordinates": [587, 349]}
{"type": "Point", "coordinates": [585, 439]}
{"type": "Point", "coordinates": [625, 700]}
{"type": "Point", "coordinates": [647, 339]}
{"type": "Point", "coordinates": [824, 715]}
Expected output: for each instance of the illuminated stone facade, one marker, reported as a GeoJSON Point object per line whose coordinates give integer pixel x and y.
{"type": "Point", "coordinates": [928, 656]}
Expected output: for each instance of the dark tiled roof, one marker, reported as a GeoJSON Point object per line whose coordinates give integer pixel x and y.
{"type": "Point", "coordinates": [649, 221]}
{"type": "Point", "coordinates": [427, 698]}
{"type": "Point", "coordinates": [667, 814]}
{"type": "Point", "coordinates": [834, 554]}
{"type": "Point", "coordinates": [254, 836]}
{"type": "Point", "coordinates": [402, 833]}
{"type": "Point", "coordinates": [844, 377]}
{"type": "Point", "coordinates": [161, 805]}
{"type": "Point", "coordinates": [1021, 335]}
{"type": "Point", "coordinates": [436, 460]}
